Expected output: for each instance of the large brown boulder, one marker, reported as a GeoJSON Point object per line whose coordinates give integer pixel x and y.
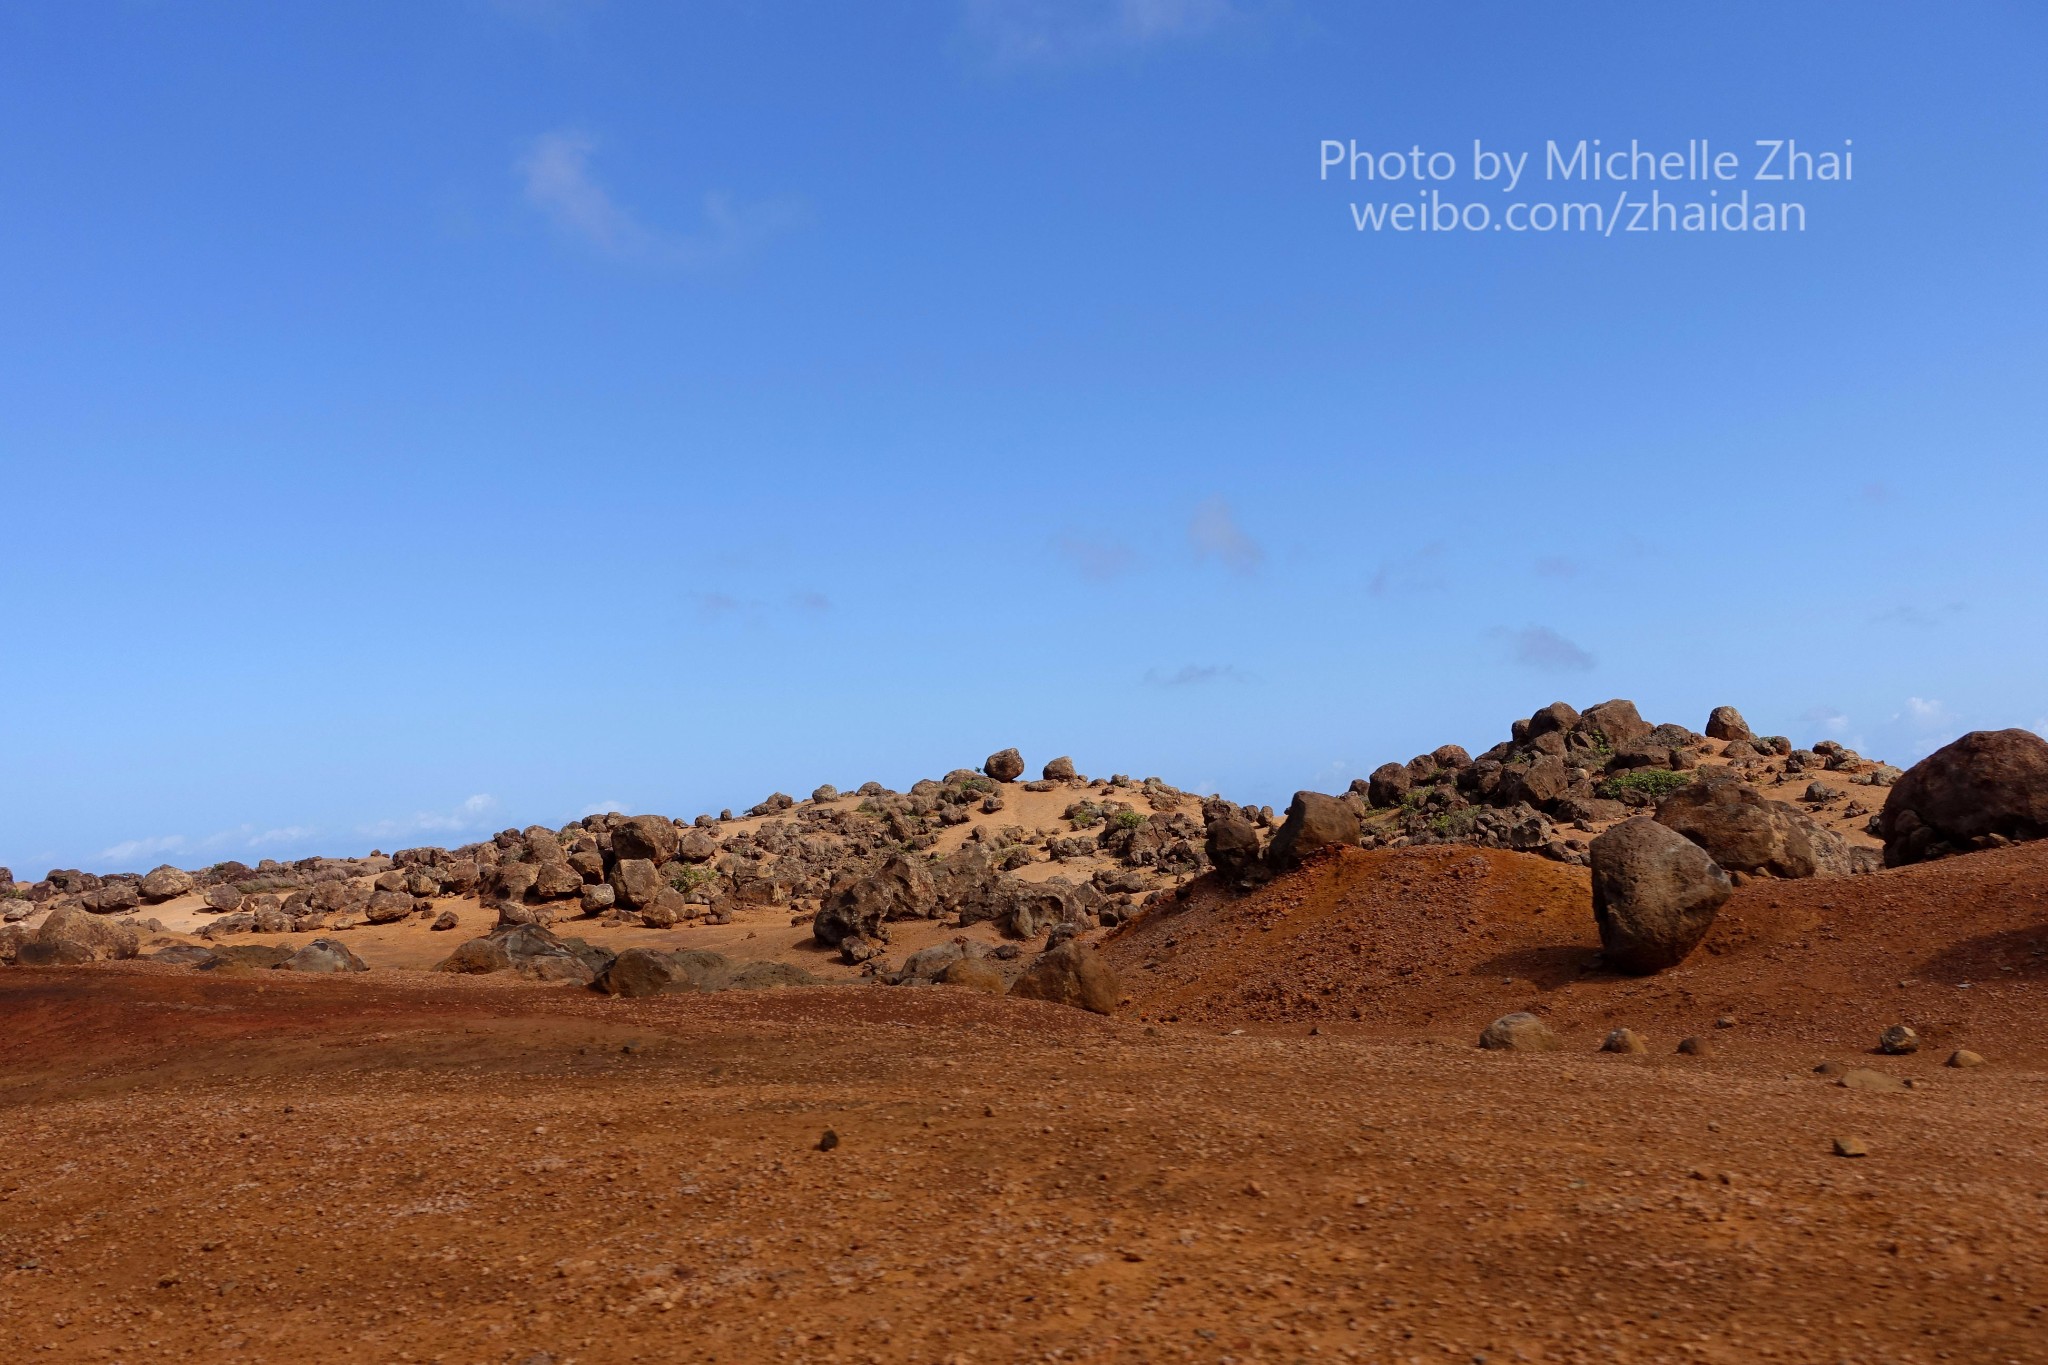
{"type": "Point", "coordinates": [1745, 831]}
{"type": "Point", "coordinates": [1060, 769]}
{"type": "Point", "coordinates": [652, 837]}
{"type": "Point", "coordinates": [1232, 843]}
{"type": "Point", "coordinates": [164, 883]}
{"type": "Point", "coordinates": [70, 935]}
{"type": "Point", "coordinates": [1655, 894]}
{"type": "Point", "coordinates": [1389, 784]}
{"type": "Point", "coordinates": [1006, 766]}
{"type": "Point", "coordinates": [697, 846]}
{"type": "Point", "coordinates": [1538, 783]}
{"type": "Point", "coordinates": [636, 882]}
{"type": "Point", "coordinates": [1725, 722]}
{"type": "Point", "coordinates": [638, 972]}
{"type": "Point", "coordinates": [1617, 722]}
{"type": "Point", "coordinates": [1986, 786]}
{"type": "Point", "coordinates": [901, 888]}
{"type": "Point", "coordinates": [323, 955]}
{"type": "Point", "coordinates": [1071, 974]}
{"type": "Point", "coordinates": [1555, 718]}
{"type": "Point", "coordinates": [1314, 822]}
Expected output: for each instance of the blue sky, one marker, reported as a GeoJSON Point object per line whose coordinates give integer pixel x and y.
{"type": "Point", "coordinates": [421, 418]}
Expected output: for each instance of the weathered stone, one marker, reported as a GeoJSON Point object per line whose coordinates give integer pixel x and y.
{"type": "Point", "coordinates": [1006, 766]}
{"type": "Point", "coordinates": [1071, 974]}
{"type": "Point", "coordinates": [1987, 786]}
{"type": "Point", "coordinates": [1314, 822]}
{"type": "Point", "coordinates": [1726, 723]}
{"type": "Point", "coordinates": [1655, 895]}
{"type": "Point", "coordinates": [164, 883]}
{"type": "Point", "coordinates": [652, 838]}
{"type": "Point", "coordinates": [635, 882]}
{"type": "Point", "coordinates": [1742, 829]}
{"type": "Point", "coordinates": [1519, 1032]}
{"type": "Point", "coordinates": [323, 955]}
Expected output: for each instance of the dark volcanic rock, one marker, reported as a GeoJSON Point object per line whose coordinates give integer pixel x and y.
{"type": "Point", "coordinates": [1655, 894]}
{"type": "Point", "coordinates": [1988, 785]}
{"type": "Point", "coordinates": [1006, 766]}
{"type": "Point", "coordinates": [1745, 831]}
{"type": "Point", "coordinates": [1314, 822]}
{"type": "Point", "coordinates": [1071, 974]}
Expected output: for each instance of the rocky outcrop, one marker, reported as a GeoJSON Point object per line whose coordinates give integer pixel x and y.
{"type": "Point", "coordinates": [1745, 831]}
{"type": "Point", "coordinates": [1655, 895]}
{"type": "Point", "coordinates": [69, 935]}
{"type": "Point", "coordinates": [1989, 787]}
{"type": "Point", "coordinates": [1314, 822]}
{"type": "Point", "coordinates": [1071, 974]}
{"type": "Point", "coordinates": [860, 905]}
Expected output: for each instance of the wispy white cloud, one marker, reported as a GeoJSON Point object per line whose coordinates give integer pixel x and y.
{"type": "Point", "coordinates": [559, 181]}
{"type": "Point", "coordinates": [1215, 534]}
{"type": "Point", "coordinates": [130, 850]}
{"type": "Point", "coordinates": [1827, 719]}
{"type": "Point", "coordinates": [472, 814]}
{"type": "Point", "coordinates": [1016, 31]}
{"type": "Point", "coordinates": [1194, 675]}
{"type": "Point", "coordinates": [1541, 648]}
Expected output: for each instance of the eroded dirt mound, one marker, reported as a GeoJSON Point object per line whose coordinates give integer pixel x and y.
{"type": "Point", "coordinates": [1402, 938]}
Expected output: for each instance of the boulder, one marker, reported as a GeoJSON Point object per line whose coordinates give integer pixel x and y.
{"type": "Point", "coordinates": [512, 881]}
{"type": "Point", "coordinates": [653, 838]}
{"type": "Point", "coordinates": [1519, 1032]}
{"type": "Point", "coordinates": [974, 974]}
{"type": "Point", "coordinates": [1071, 974]}
{"type": "Point", "coordinates": [1314, 822]}
{"type": "Point", "coordinates": [1617, 722]}
{"type": "Point", "coordinates": [323, 955]}
{"type": "Point", "coordinates": [1389, 785]}
{"type": "Point", "coordinates": [1987, 786]}
{"type": "Point", "coordinates": [445, 921]}
{"type": "Point", "coordinates": [1742, 829]}
{"type": "Point", "coordinates": [476, 956]}
{"type": "Point", "coordinates": [70, 935]}
{"type": "Point", "coordinates": [1553, 719]}
{"type": "Point", "coordinates": [1060, 769]}
{"type": "Point", "coordinates": [112, 898]}
{"type": "Point", "coordinates": [164, 883]}
{"type": "Point", "coordinates": [640, 972]}
{"type": "Point", "coordinates": [901, 888]}
{"type": "Point", "coordinates": [557, 881]}
{"type": "Point", "coordinates": [1655, 894]}
{"type": "Point", "coordinates": [636, 882]}
{"type": "Point", "coordinates": [598, 898]}
{"type": "Point", "coordinates": [1726, 723]}
{"type": "Point", "coordinates": [1537, 783]}
{"type": "Point", "coordinates": [224, 898]}
{"type": "Point", "coordinates": [388, 907]}
{"type": "Point", "coordinates": [1232, 845]}
{"type": "Point", "coordinates": [1006, 766]}
{"type": "Point", "coordinates": [245, 957]}
{"type": "Point", "coordinates": [697, 846]}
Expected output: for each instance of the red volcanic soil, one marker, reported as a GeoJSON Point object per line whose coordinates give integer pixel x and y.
{"type": "Point", "coordinates": [1450, 937]}
{"type": "Point", "coordinates": [401, 1166]}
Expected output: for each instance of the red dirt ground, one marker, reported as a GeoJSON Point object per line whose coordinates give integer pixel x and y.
{"type": "Point", "coordinates": [406, 1167]}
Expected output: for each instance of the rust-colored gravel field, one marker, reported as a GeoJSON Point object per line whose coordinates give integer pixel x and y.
{"type": "Point", "coordinates": [408, 1167]}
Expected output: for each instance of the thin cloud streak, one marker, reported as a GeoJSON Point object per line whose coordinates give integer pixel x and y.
{"type": "Point", "coordinates": [558, 181]}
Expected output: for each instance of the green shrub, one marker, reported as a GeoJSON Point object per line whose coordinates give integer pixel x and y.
{"type": "Point", "coordinates": [1651, 782]}
{"type": "Point", "coordinates": [689, 877]}
{"type": "Point", "coordinates": [1126, 819]}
